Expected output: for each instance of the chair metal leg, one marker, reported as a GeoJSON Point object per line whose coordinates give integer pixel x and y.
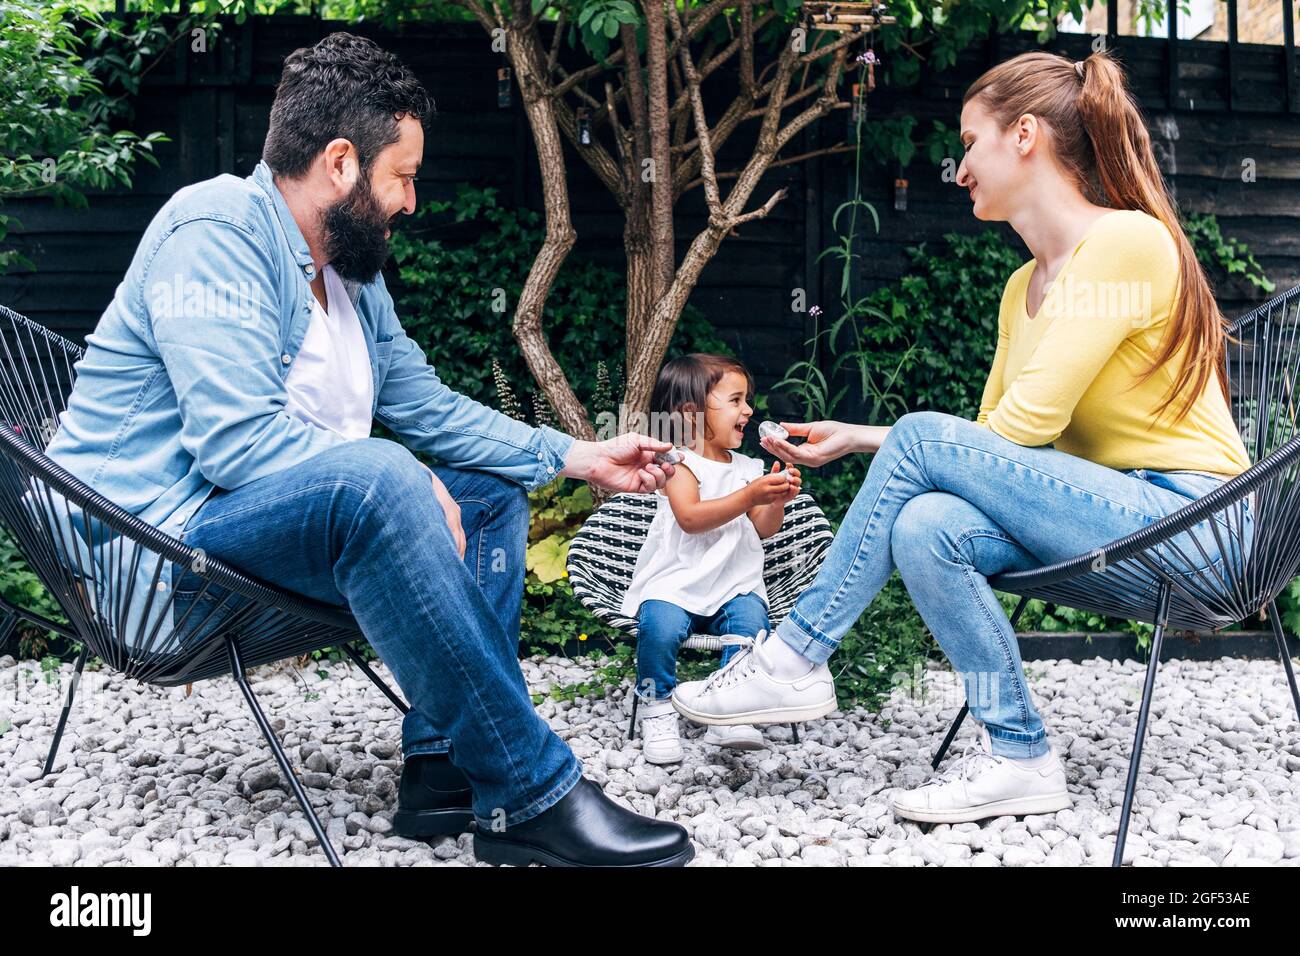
{"type": "Point", "coordinates": [965, 708]}
{"type": "Point", "coordinates": [1162, 611]}
{"type": "Point", "coordinates": [67, 708]}
{"type": "Point", "coordinates": [8, 624]}
{"type": "Point", "coordinates": [237, 669]}
{"type": "Point", "coordinates": [378, 681]}
{"type": "Point", "coordinates": [794, 733]}
{"type": "Point", "coordinates": [631, 724]}
{"type": "Point", "coordinates": [947, 740]}
{"type": "Point", "coordinates": [1276, 619]}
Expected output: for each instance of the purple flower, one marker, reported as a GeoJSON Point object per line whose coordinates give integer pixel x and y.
{"type": "Point", "coordinates": [815, 311]}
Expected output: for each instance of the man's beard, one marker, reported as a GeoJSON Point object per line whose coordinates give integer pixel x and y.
{"type": "Point", "coordinates": [354, 233]}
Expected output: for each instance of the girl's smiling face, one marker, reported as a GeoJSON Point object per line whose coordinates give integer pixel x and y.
{"type": "Point", "coordinates": [728, 411]}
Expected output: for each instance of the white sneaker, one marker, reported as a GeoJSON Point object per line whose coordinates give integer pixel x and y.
{"type": "Point", "coordinates": [661, 737]}
{"type": "Point", "coordinates": [981, 784]}
{"type": "Point", "coordinates": [746, 691]}
{"type": "Point", "coordinates": [736, 737]}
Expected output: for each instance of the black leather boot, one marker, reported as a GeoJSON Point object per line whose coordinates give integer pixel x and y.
{"type": "Point", "coordinates": [434, 798]}
{"type": "Point", "coordinates": [586, 828]}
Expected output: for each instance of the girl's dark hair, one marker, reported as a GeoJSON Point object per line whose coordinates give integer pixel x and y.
{"type": "Point", "coordinates": [345, 86]}
{"type": "Point", "coordinates": [684, 384]}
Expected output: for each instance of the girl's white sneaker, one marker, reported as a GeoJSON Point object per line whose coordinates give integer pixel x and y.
{"type": "Point", "coordinates": [735, 737]}
{"type": "Point", "coordinates": [661, 737]}
{"type": "Point", "coordinates": [981, 784]}
{"type": "Point", "coordinates": [749, 691]}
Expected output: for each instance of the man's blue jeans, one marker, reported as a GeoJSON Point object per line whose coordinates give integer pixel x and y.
{"type": "Point", "coordinates": [358, 525]}
{"type": "Point", "coordinates": [662, 627]}
{"type": "Point", "coordinates": [950, 503]}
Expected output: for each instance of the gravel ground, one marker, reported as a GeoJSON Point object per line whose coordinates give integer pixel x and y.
{"type": "Point", "coordinates": [150, 776]}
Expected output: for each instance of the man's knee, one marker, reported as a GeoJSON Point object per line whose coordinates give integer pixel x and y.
{"type": "Point", "coordinates": [385, 473]}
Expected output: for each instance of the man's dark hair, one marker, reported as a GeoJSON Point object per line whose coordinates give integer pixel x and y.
{"type": "Point", "coordinates": [345, 86]}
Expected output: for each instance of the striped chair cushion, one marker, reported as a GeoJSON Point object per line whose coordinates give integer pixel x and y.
{"type": "Point", "coordinates": [603, 555]}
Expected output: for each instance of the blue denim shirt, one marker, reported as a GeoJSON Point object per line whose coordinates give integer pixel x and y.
{"type": "Point", "coordinates": [181, 389]}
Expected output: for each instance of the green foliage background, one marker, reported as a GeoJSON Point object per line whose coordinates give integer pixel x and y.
{"type": "Point", "coordinates": [933, 329]}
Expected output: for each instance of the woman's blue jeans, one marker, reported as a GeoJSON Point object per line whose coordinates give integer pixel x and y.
{"type": "Point", "coordinates": [950, 503]}
{"type": "Point", "coordinates": [662, 627]}
{"type": "Point", "coordinates": [358, 525]}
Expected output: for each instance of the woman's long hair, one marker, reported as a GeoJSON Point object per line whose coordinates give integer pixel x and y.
{"type": "Point", "coordinates": [1098, 135]}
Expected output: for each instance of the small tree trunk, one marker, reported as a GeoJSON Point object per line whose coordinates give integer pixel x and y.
{"type": "Point", "coordinates": [529, 62]}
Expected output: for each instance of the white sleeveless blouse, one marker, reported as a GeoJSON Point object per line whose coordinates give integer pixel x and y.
{"type": "Point", "coordinates": [701, 572]}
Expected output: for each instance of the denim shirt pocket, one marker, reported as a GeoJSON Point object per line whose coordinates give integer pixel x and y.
{"type": "Point", "coordinates": [383, 352]}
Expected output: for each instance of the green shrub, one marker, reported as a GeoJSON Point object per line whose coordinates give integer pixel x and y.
{"type": "Point", "coordinates": [20, 585]}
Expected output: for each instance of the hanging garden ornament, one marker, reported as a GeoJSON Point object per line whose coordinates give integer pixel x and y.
{"type": "Point", "coordinates": [845, 17]}
{"type": "Point", "coordinates": [503, 88]}
{"type": "Point", "coordinates": [859, 111]}
{"type": "Point", "coordinates": [584, 126]}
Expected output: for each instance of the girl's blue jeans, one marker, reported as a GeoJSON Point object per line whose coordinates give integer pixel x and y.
{"type": "Point", "coordinates": [663, 626]}
{"type": "Point", "coordinates": [950, 503]}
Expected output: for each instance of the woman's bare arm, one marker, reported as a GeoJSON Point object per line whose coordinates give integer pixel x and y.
{"type": "Point", "coordinates": [825, 441]}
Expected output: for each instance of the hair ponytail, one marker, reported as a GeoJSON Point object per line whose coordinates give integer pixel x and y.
{"type": "Point", "coordinates": [1099, 137]}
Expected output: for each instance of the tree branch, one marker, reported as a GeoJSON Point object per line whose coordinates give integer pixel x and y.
{"type": "Point", "coordinates": [711, 194]}
{"type": "Point", "coordinates": [747, 48]}
{"type": "Point", "coordinates": [802, 157]}
{"type": "Point", "coordinates": [661, 184]}
{"type": "Point", "coordinates": [558, 35]}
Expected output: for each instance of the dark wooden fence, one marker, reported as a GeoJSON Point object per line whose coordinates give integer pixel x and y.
{"type": "Point", "coordinates": [1211, 108]}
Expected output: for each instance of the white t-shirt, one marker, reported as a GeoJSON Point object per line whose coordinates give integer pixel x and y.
{"type": "Point", "coordinates": [701, 572]}
{"type": "Point", "coordinates": [330, 384]}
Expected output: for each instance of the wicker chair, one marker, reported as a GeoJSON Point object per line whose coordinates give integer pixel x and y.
{"type": "Point", "coordinates": [603, 554]}
{"type": "Point", "coordinates": [86, 550]}
{"type": "Point", "coordinates": [1152, 575]}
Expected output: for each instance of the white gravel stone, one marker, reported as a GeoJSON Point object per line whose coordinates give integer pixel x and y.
{"type": "Point", "coordinates": [168, 779]}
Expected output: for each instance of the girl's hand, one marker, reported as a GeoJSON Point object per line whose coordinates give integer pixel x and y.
{"type": "Point", "coordinates": [796, 482]}
{"type": "Point", "coordinates": [772, 487]}
{"type": "Point", "coordinates": [826, 441]}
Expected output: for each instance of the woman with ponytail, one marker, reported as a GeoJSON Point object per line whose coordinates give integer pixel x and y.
{"type": "Point", "coordinates": [1105, 409]}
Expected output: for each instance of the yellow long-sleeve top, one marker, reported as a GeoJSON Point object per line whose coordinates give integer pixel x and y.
{"type": "Point", "coordinates": [1067, 376]}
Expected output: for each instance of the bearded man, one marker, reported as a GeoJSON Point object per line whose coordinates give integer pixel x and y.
{"type": "Point", "coordinates": [227, 396]}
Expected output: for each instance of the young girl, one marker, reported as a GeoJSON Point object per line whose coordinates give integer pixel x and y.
{"type": "Point", "coordinates": [701, 567]}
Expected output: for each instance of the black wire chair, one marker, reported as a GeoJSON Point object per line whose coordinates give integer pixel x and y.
{"type": "Point", "coordinates": [1163, 574]}
{"type": "Point", "coordinates": [89, 552]}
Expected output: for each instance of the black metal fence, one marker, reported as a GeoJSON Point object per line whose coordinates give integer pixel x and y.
{"type": "Point", "coordinates": [1209, 104]}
